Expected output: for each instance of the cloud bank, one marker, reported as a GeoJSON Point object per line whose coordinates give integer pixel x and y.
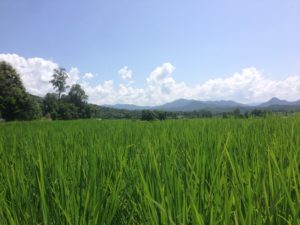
{"type": "Point", "coordinates": [248, 85]}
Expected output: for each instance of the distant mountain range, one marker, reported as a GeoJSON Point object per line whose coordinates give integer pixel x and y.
{"type": "Point", "coordinates": [215, 106]}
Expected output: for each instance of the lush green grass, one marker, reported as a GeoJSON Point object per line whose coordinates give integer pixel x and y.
{"type": "Point", "coordinates": [212, 171]}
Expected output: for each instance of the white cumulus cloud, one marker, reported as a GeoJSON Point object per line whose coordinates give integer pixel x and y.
{"type": "Point", "coordinates": [73, 76]}
{"type": "Point", "coordinates": [88, 76]}
{"type": "Point", "coordinates": [248, 85]}
{"type": "Point", "coordinates": [125, 73]}
{"type": "Point", "coordinates": [161, 86]}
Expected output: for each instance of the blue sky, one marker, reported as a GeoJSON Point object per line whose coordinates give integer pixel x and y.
{"type": "Point", "coordinates": [201, 40]}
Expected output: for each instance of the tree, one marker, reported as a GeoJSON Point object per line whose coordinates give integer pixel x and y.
{"type": "Point", "coordinates": [50, 105]}
{"type": "Point", "coordinates": [31, 109]}
{"type": "Point", "coordinates": [237, 113]}
{"type": "Point", "coordinates": [148, 115]}
{"type": "Point", "coordinates": [67, 111]}
{"type": "Point", "coordinates": [59, 80]}
{"type": "Point", "coordinates": [162, 115]}
{"type": "Point", "coordinates": [258, 113]}
{"type": "Point", "coordinates": [225, 115]}
{"type": "Point", "coordinates": [77, 95]}
{"type": "Point", "coordinates": [15, 103]}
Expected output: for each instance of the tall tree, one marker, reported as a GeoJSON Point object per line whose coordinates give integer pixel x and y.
{"type": "Point", "coordinates": [59, 80]}
{"type": "Point", "coordinates": [15, 103]}
{"type": "Point", "coordinates": [77, 95]}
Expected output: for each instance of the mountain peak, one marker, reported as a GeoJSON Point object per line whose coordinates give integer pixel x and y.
{"type": "Point", "coordinates": [276, 101]}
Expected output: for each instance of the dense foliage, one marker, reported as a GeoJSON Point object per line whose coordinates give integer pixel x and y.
{"type": "Point", "coordinates": [15, 103]}
{"type": "Point", "coordinates": [209, 171]}
{"type": "Point", "coordinates": [148, 115]}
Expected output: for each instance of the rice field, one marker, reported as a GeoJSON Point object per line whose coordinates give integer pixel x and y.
{"type": "Point", "coordinates": [209, 171]}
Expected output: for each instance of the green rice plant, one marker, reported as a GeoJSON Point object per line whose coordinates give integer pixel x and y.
{"type": "Point", "coordinates": [200, 171]}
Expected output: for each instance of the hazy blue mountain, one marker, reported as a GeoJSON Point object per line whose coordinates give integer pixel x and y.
{"type": "Point", "coordinates": [182, 105]}
{"type": "Point", "coordinates": [128, 106]}
{"type": "Point", "coordinates": [191, 105]}
{"type": "Point", "coordinates": [279, 102]}
{"type": "Point", "coordinates": [175, 105]}
{"type": "Point", "coordinates": [214, 106]}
